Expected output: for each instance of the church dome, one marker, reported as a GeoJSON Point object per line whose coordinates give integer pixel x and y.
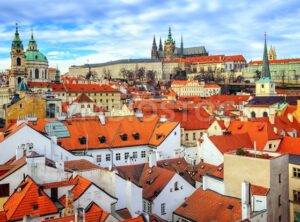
{"type": "Point", "coordinates": [35, 56]}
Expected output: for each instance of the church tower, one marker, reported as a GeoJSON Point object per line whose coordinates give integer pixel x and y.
{"type": "Point", "coordinates": [154, 54]}
{"type": "Point", "coordinates": [17, 72]}
{"type": "Point", "coordinates": [272, 54]}
{"type": "Point", "coordinates": [169, 46]}
{"type": "Point", "coordinates": [265, 86]}
{"type": "Point", "coordinates": [181, 48]}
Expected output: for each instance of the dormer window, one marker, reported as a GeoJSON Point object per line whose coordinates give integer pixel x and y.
{"type": "Point", "coordinates": [124, 137]}
{"type": "Point", "coordinates": [102, 139]}
{"type": "Point", "coordinates": [136, 136]}
{"type": "Point", "coordinates": [82, 140]}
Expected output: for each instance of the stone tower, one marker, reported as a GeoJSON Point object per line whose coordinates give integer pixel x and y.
{"type": "Point", "coordinates": [272, 54]}
{"type": "Point", "coordinates": [265, 86]}
{"type": "Point", "coordinates": [169, 46]}
{"type": "Point", "coordinates": [17, 72]}
{"type": "Point", "coordinates": [154, 54]}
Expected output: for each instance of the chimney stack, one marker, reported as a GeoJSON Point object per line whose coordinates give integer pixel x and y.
{"type": "Point", "coordinates": [20, 151]}
{"type": "Point", "coordinates": [246, 202]}
{"type": "Point", "coordinates": [152, 159]}
{"type": "Point", "coordinates": [79, 215]}
{"type": "Point", "coordinates": [102, 118]}
{"type": "Point", "coordinates": [69, 209]}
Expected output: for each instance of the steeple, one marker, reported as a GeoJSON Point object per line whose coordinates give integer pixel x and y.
{"type": "Point", "coordinates": [160, 45]}
{"type": "Point", "coordinates": [170, 39]}
{"type": "Point", "coordinates": [154, 54]}
{"type": "Point", "coordinates": [265, 73]}
{"type": "Point", "coordinates": [57, 75]}
{"type": "Point", "coordinates": [181, 47]}
{"type": "Point", "coordinates": [17, 42]}
{"type": "Point", "coordinates": [32, 46]}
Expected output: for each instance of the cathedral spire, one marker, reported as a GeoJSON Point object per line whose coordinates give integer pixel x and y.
{"type": "Point", "coordinates": [160, 45]}
{"type": "Point", "coordinates": [265, 73]}
{"type": "Point", "coordinates": [154, 54]}
{"type": "Point", "coordinates": [181, 46]}
{"type": "Point", "coordinates": [170, 39]}
{"type": "Point", "coordinates": [17, 43]}
{"type": "Point", "coordinates": [154, 42]}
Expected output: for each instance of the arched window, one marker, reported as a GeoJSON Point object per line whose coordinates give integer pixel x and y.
{"type": "Point", "coordinates": [19, 80]}
{"type": "Point", "coordinates": [45, 73]}
{"type": "Point", "coordinates": [253, 114]}
{"type": "Point", "coordinates": [265, 114]}
{"type": "Point", "coordinates": [18, 61]}
{"type": "Point", "coordinates": [30, 74]}
{"type": "Point", "coordinates": [36, 73]}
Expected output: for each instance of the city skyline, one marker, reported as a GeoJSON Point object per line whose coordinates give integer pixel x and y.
{"type": "Point", "coordinates": [74, 34]}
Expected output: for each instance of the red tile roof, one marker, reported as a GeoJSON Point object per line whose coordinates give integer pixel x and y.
{"type": "Point", "coordinates": [259, 190]}
{"type": "Point", "coordinates": [82, 184]}
{"type": "Point", "coordinates": [202, 169]}
{"type": "Point", "coordinates": [114, 128]}
{"type": "Point", "coordinates": [227, 143]}
{"type": "Point", "coordinates": [289, 145]}
{"type": "Point", "coordinates": [260, 132]}
{"type": "Point", "coordinates": [277, 61]}
{"type": "Point", "coordinates": [207, 205]}
{"type": "Point", "coordinates": [83, 98]}
{"type": "Point", "coordinates": [28, 199]}
{"type": "Point", "coordinates": [153, 180]}
{"type": "Point", "coordinates": [124, 213]}
{"type": "Point", "coordinates": [136, 219]}
{"type": "Point", "coordinates": [211, 86]}
{"type": "Point", "coordinates": [82, 88]}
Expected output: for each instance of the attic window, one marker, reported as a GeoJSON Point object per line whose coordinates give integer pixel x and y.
{"type": "Point", "coordinates": [82, 140]}
{"type": "Point", "coordinates": [35, 206]}
{"type": "Point", "coordinates": [102, 139]}
{"type": "Point", "coordinates": [184, 205]}
{"type": "Point", "coordinates": [136, 136]}
{"type": "Point", "coordinates": [230, 207]}
{"type": "Point", "coordinates": [202, 167]}
{"type": "Point", "coordinates": [124, 137]}
{"type": "Point", "coordinates": [220, 168]}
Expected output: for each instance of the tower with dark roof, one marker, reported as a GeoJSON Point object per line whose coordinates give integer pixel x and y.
{"type": "Point", "coordinates": [181, 47]}
{"type": "Point", "coordinates": [154, 54]}
{"type": "Point", "coordinates": [265, 86]}
{"type": "Point", "coordinates": [17, 73]}
{"type": "Point", "coordinates": [169, 46]}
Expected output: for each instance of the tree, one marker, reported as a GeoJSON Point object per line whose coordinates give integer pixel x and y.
{"type": "Point", "coordinates": [107, 74]}
{"type": "Point", "coordinates": [140, 73]}
{"type": "Point", "coordinates": [257, 75]}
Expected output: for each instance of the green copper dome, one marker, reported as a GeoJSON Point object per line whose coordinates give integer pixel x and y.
{"type": "Point", "coordinates": [35, 56]}
{"type": "Point", "coordinates": [17, 42]}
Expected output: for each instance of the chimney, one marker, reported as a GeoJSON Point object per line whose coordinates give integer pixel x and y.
{"type": "Point", "coordinates": [246, 202]}
{"type": "Point", "coordinates": [226, 122]}
{"type": "Point", "coordinates": [69, 209]}
{"type": "Point", "coordinates": [102, 118]}
{"type": "Point", "coordinates": [152, 159]}
{"type": "Point", "coordinates": [272, 118]}
{"type": "Point", "coordinates": [275, 130]}
{"type": "Point", "coordinates": [79, 215]}
{"type": "Point", "coordinates": [139, 114]}
{"type": "Point", "coordinates": [163, 119]}
{"type": "Point", "coordinates": [20, 152]}
{"type": "Point", "coordinates": [290, 117]}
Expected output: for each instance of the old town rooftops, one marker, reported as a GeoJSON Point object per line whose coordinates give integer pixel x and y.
{"type": "Point", "coordinates": [207, 205]}
{"type": "Point", "coordinates": [114, 132]}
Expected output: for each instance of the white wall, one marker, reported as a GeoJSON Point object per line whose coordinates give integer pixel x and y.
{"type": "Point", "coordinates": [210, 153]}
{"type": "Point", "coordinates": [214, 184]}
{"type": "Point", "coordinates": [93, 193]}
{"type": "Point", "coordinates": [258, 203]}
{"type": "Point", "coordinates": [173, 199]}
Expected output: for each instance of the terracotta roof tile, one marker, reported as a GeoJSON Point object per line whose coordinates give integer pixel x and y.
{"type": "Point", "coordinates": [259, 190]}
{"type": "Point", "coordinates": [29, 199]}
{"type": "Point", "coordinates": [206, 205]}
{"type": "Point", "coordinates": [83, 98]}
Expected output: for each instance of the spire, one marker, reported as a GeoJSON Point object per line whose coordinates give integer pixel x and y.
{"type": "Point", "coordinates": [154, 42]}
{"type": "Point", "coordinates": [32, 46]}
{"type": "Point", "coordinates": [57, 75]}
{"type": "Point", "coordinates": [160, 45]}
{"type": "Point", "coordinates": [17, 43]}
{"type": "Point", "coordinates": [154, 54]}
{"type": "Point", "coordinates": [265, 73]}
{"type": "Point", "coordinates": [181, 46]}
{"type": "Point", "coordinates": [170, 39]}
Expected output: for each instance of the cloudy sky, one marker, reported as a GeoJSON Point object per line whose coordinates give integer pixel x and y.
{"type": "Point", "coordinates": [75, 32]}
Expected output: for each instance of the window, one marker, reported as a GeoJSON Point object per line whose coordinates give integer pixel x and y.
{"type": "Point", "coordinates": [143, 154]}
{"type": "Point", "coordinates": [21, 105]}
{"type": "Point", "coordinates": [82, 106]}
{"type": "Point", "coordinates": [144, 206]}
{"type": "Point", "coordinates": [4, 190]}
{"type": "Point", "coordinates": [270, 146]}
{"type": "Point", "coordinates": [88, 106]}
{"type": "Point", "coordinates": [163, 208]}
{"type": "Point", "coordinates": [265, 114]}
{"type": "Point", "coordinates": [253, 114]}
{"type": "Point", "coordinates": [126, 155]}
{"type": "Point", "coordinates": [279, 178]}
{"type": "Point", "coordinates": [118, 156]}
{"type": "Point", "coordinates": [186, 136]}
{"type": "Point", "coordinates": [176, 186]}
{"type": "Point", "coordinates": [262, 86]}
{"type": "Point", "coordinates": [296, 172]}
{"type": "Point", "coordinates": [98, 158]}
{"type": "Point", "coordinates": [107, 157]}
{"type": "Point", "coordinates": [36, 73]}
{"type": "Point", "coordinates": [82, 140]}
{"type": "Point", "coordinates": [18, 61]}
{"type": "Point", "coordinates": [134, 154]}
{"type": "Point", "coordinates": [279, 200]}
{"type": "Point", "coordinates": [194, 136]}
{"type": "Point", "coordinates": [296, 196]}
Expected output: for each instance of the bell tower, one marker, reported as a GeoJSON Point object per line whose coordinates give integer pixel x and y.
{"type": "Point", "coordinates": [17, 71]}
{"type": "Point", "coordinates": [169, 46]}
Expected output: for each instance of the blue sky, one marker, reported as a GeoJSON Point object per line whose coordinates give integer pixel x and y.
{"type": "Point", "coordinates": [74, 32]}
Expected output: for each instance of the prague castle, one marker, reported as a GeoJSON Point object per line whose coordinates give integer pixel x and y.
{"type": "Point", "coordinates": [170, 51]}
